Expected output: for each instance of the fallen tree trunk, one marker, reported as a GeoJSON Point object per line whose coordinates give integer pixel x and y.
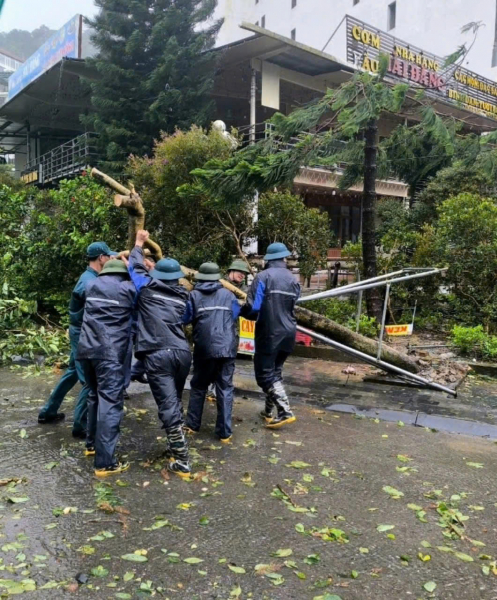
{"type": "Point", "coordinates": [346, 336]}
{"type": "Point", "coordinates": [131, 201]}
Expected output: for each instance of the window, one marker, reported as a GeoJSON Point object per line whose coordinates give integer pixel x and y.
{"type": "Point", "coordinates": [294, 34]}
{"type": "Point", "coordinates": [354, 2]}
{"type": "Point", "coordinates": [294, 3]}
{"type": "Point", "coordinates": [263, 21]}
{"type": "Point", "coordinates": [392, 15]}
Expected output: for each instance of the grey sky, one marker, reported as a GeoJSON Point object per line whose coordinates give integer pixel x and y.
{"type": "Point", "coordinates": [30, 14]}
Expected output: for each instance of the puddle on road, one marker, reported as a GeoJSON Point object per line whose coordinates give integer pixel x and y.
{"type": "Point", "coordinates": [421, 419]}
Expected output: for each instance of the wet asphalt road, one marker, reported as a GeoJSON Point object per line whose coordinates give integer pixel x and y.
{"type": "Point", "coordinates": [313, 494]}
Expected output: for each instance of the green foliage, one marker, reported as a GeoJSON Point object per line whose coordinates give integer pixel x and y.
{"type": "Point", "coordinates": [341, 311]}
{"type": "Point", "coordinates": [474, 342]}
{"type": "Point", "coordinates": [368, 326]}
{"type": "Point", "coordinates": [467, 339]}
{"type": "Point", "coordinates": [453, 180]}
{"type": "Point", "coordinates": [155, 73]}
{"type": "Point", "coordinates": [465, 239]}
{"type": "Point", "coordinates": [415, 154]}
{"type": "Point", "coordinates": [188, 223]}
{"type": "Point", "coordinates": [44, 237]}
{"type": "Point", "coordinates": [283, 217]}
{"type": "Point", "coordinates": [21, 335]}
{"type": "Point", "coordinates": [344, 312]}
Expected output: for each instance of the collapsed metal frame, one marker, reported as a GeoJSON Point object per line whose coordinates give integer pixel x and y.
{"type": "Point", "coordinates": [386, 280]}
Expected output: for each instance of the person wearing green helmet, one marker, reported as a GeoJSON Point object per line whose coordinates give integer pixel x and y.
{"type": "Point", "coordinates": [214, 311]}
{"type": "Point", "coordinates": [237, 273]}
{"type": "Point", "coordinates": [97, 255]}
{"type": "Point", "coordinates": [103, 351]}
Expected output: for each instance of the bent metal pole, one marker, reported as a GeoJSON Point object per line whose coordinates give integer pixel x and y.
{"type": "Point", "coordinates": [381, 364]}
{"type": "Point", "coordinates": [364, 285]}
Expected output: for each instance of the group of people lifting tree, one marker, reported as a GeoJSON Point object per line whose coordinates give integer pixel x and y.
{"type": "Point", "coordinates": [122, 307]}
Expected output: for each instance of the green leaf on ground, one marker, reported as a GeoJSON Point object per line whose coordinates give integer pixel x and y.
{"type": "Point", "coordinates": [383, 528]}
{"type": "Point", "coordinates": [298, 464]}
{"type": "Point", "coordinates": [312, 559]}
{"type": "Point", "coordinates": [282, 552]}
{"type": "Point", "coordinates": [403, 458]}
{"type": "Point", "coordinates": [395, 494]}
{"type": "Point", "coordinates": [99, 571]}
{"type": "Point", "coordinates": [430, 586]}
{"type": "Point", "coordinates": [128, 576]}
{"type": "Point", "coordinates": [204, 521]}
{"type": "Point", "coordinates": [86, 550]}
{"type": "Point", "coordinates": [414, 507]}
{"type": "Point", "coordinates": [464, 557]}
{"type": "Point", "coordinates": [51, 465]}
{"type": "Point", "coordinates": [23, 434]}
{"type": "Point", "coordinates": [123, 596]}
{"type": "Point", "coordinates": [134, 557]}
{"type": "Point", "coordinates": [193, 560]}
{"type": "Point", "coordinates": [364, 550]}
{"type": "Point", "coordinates": [235, 569]}
{"type": "Point", "coordinates": [17, 499]}
{"type": "Point", "coordinates": [475, 465]}
{"type": "Point", "coordinates": [300, 528]}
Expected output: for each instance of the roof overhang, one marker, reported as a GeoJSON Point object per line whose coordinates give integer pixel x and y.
{"type": "Point", "coordinates": [54, 101]}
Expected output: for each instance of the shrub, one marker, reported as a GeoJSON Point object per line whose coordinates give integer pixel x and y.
{"type": "Point", "coordinates": [475, 342]}
{"type": "Point", "coordinates": [21, 335]}
{"type": "Point", "coordinates": [45, 234]}
{"type": "Point", "coordinates": [283, 217]}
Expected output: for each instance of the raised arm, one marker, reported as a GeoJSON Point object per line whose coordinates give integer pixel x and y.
{"type": "Point", "coordinates": [136, 266]}
{"type": "Point", "coordinates": [255, 297]}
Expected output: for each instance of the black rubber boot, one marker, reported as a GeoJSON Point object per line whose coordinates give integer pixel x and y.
{"type": "Point", "coordinates": [51, 419]}
{"type": "Point", "coordinates": [267, 413]}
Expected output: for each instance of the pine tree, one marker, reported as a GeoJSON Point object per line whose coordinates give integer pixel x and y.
{"type": "Point", "coordinates": [154, 72]}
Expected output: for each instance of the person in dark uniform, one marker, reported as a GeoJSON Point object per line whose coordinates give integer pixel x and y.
{"type": "Point", "coordinates": [103, 350]}
{"type": "Point", "coordinates": [236, 275]}
{"type": "Point", "coordinates": [161, 343]}
{"type": "Point", "coordinates": [271, 303]}
{"type": "Point", "coordinates": [214, 311]}
{"type": "Point", "coordinates": [97, 254]}
{"type": "Point", "coordinates": [136, 369]}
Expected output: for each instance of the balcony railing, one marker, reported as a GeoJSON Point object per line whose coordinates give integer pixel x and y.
{"type": "Point", "coordinates": [68, 160]}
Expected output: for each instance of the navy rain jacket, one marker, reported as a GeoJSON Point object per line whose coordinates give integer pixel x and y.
{"type": "Point", "coordinates": [214, 311]}
{"type": "Point", "coordinates": [161, 306]}
{"type": "Point", "coordinates": [107, 320]}
{"type": "Point", "coordinates": [78, 297]}
{"type": "Point", "coordinates": [271, 303]}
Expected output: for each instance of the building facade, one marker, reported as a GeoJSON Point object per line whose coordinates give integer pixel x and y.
{"type": "Point", "coordinates": [8, 64]}
{"type": "Point", "coordinates": [434, 25]}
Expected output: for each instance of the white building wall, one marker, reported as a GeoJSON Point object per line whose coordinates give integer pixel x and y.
{"type": "Point", "coordinates": [432, 25]}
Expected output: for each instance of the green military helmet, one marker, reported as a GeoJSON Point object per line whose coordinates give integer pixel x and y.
{"type": "Point", "coordinates": [114, 266]}
{"type": "Point", "coordinates": [239, 265]}
{"type": "Point", "coordinates": [208, 271]}
{"type": "Point", "coordinates": [167, 269]}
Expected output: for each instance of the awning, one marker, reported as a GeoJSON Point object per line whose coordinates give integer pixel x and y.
{"type": "Point", "coordinates": [53, 102]}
